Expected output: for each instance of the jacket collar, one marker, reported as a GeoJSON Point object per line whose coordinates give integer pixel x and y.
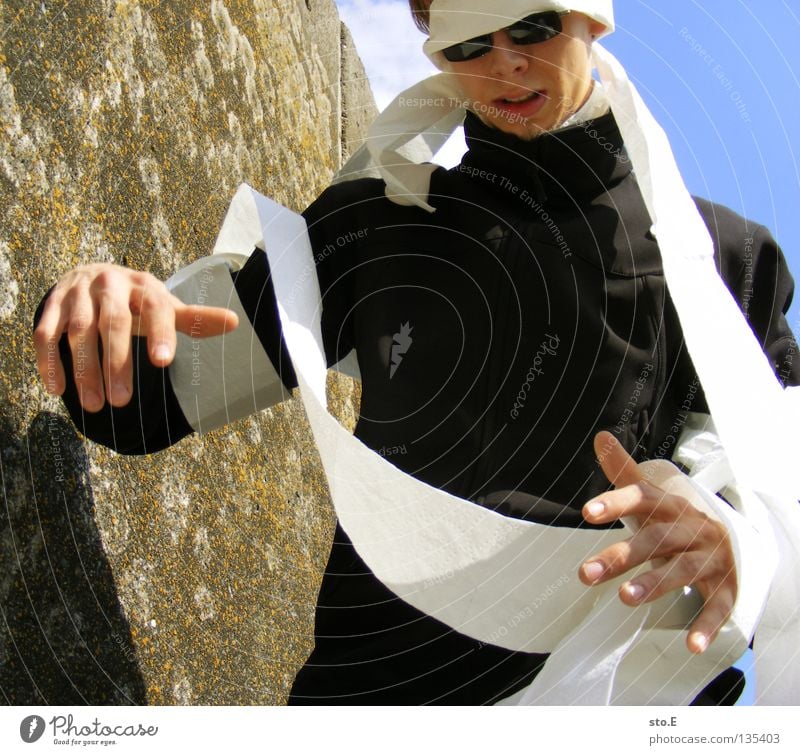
{"type": "Point", "coordinates": [562, 173]}
{"type": "Point", "coordinates": [562, 168]}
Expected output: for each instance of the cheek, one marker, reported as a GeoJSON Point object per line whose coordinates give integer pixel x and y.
{"type": "Point", "coordinates": [573, 83]}
{"type": "Point", "coordinates": [472, 85]}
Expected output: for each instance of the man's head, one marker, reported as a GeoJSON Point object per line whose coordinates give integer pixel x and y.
{"type": "Point", "coordinates": [511, 79]}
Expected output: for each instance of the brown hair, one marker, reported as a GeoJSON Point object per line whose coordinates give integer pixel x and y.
{"type": "Point", "coordinates": [420, 12]}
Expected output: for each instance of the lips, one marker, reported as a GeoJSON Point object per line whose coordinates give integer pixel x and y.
{"type": "Point", "coordinates": [516, 99]}
{"type": "Point", "coordinates": [521, 104]}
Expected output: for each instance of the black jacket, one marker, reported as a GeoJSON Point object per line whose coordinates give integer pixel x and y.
{"type": "Point", "coordinates": [495, 337]}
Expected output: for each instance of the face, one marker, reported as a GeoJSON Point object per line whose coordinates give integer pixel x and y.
{"type": "Point", "coordinates": [547, 82]}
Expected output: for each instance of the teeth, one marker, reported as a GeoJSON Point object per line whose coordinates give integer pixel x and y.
{"type": "Point", "coordinates": [521, 99]}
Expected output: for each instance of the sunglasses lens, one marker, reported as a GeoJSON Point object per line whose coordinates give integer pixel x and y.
{"type": "Point", "coordinates": [536, 28]}
{"type": "Point", "coordinates": [472, 48]}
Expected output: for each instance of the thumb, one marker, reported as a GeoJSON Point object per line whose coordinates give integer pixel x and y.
{"type": "Point", "coordinates": [616, 463]}
{"type": "Point", "coordinates": [203, 322]}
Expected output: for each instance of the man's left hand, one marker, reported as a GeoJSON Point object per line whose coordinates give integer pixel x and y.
{"type": "Point", "coordinates": [696, 548]}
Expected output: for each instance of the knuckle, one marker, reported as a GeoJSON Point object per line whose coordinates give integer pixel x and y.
{"type": "Point", "coordinates": [708, 532]}
{"type": "Point", "coordinates": [695, 563]}
{"type": "Point", "coordinates": [616, 558]}
{"type": "Point", "coordinates": [80, 325]}
{"type": "Point", "coordinates": [116, 363]}
{"type": "Point", "coordinates": [649, 488]}
{"type": "Point", "coordinates": [154, 298]}
{"type": "Point", "coordinates": [106, 278]}
{"type": "Point", "coordinates": [724, 607]}
{"type": "Point", "coordinates": [665, 580]}
{"type": "Point", "coordinates": [640, 491]}
{"type": "Point", "coordinates": [149, 302]}
{"type": "Point", "coordinates": [728, 594]}
{"type": "Point", "coordinates": [652, 536]}
{"type": "Point", "coordinates": [144, 277]}
{"type": "Point", "coordinates": [152, 285]}
{"type": "Point", "coordinates": [717, 530]}
{"type": "Point", "coordinates": [114, 317]}
{"type": "Point", "coordinates": [659, 538]}
{"type": "Point", "coordinates": [656, 583]}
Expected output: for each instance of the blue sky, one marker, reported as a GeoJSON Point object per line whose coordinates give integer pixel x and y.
{"type": "Point", "coordinates": [722, 77]}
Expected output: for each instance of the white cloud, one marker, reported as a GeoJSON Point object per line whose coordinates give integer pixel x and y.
{"type": "Point", "coordinates": [390, 45]}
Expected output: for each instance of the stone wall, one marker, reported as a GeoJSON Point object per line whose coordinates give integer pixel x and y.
{"type": "Point", "coordinates": [189, 576]}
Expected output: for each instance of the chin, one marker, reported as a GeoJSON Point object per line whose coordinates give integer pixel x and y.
{"type": "Point", "coordinates": [525, 130]}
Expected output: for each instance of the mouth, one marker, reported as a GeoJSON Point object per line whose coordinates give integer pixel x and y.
{"type": "Point", "coordinates": [522, 104]}
{"type": "Point", "coordinates": [518, 99]}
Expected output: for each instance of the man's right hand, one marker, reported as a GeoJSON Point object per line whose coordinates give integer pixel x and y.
{"type": "Point", "coordinates": [115, 303]}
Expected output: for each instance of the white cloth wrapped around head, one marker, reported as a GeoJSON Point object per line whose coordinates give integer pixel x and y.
{"type": "Point", "coordinates": [453, 21]}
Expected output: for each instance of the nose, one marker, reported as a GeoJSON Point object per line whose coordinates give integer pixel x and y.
{"type": "Point", "coordinates": [506, 57]}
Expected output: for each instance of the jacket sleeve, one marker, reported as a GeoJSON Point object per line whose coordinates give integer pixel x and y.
{"type": "Point", "coordinates": [754, 270]}
{"type": "Point", "coordinates": [213, 381]}
{"type": "Point", "coordinates": [764, 288]}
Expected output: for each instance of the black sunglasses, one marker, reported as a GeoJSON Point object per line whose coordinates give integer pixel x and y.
{"type": "Point", "coordinates": [538, 27]}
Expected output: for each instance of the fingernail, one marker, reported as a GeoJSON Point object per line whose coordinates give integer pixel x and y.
{"type": "Point", "coordinates": [635, 591]}
{"type": "Point", "coordinates": [119, 393]}
{"type": "Point", "coordinates": [595, 508]}
{"type": "Point", "coordinates": [162, 351]}
{"type": "Point", "coordinates": [700, 641]}
{"type": "Point", "coordinates": [593, 570]}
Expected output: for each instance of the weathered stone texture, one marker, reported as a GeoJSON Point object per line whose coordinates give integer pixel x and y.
{"type": "Point", "coordinates": [188, 576]}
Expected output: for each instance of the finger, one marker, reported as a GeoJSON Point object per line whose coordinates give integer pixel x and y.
{"type": "Point", "coordinates": [82, 337]}
{"type": "Point", "coordinates": [641, 499]}
{"type": "Point", "coordinates": [156, 320]}
{"type": "Point", "coordinates": [657, 540]}
{"type": "Point", "coordinates": [46, 338]}
{"type": "Point", "coordinates": [684, 569]}
{"type": "Point", "coordinates": [114, 324]}
{"type": "Point", "coordinates": [616, 463]}
{"type": "Point", "coordinates": [203, 322]}
{"type": "Point", "coordinates": [716, 612]}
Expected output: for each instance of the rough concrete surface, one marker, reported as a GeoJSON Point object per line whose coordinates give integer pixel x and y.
{"type": "Point", "coordinates": [188, 576]}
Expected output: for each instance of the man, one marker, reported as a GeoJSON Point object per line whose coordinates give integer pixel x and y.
{"type": "Point", "coordinates": [496, 337]}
